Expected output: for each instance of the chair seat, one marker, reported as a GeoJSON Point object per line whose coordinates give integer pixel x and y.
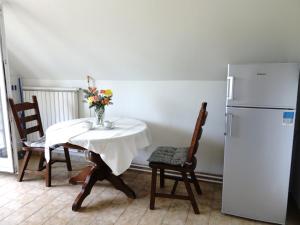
{"type": "Point", "coordinates": [40, 143]}
{"type": "Point", "coordinates": [169, 155]}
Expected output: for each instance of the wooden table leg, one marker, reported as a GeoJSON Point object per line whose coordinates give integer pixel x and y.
{"type": "Point", "coordinates": [89, 182]}
{"type": "Point", "coordinates": [91, 174]}
{"type": "Point", "coordinates": [80, 178]}
{"type": "Point", "coordinates": [119, 184]}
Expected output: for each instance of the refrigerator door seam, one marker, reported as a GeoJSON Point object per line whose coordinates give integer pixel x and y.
{"type": "Point", "coordinates": [260, 107]}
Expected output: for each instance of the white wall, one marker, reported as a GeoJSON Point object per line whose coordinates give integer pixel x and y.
{"type": "Point", "coordinates": [170, 108]}
{"type": "Point", "coordinates": [162, 57]}
{"type": "Point", "coordinates": [148, 39]}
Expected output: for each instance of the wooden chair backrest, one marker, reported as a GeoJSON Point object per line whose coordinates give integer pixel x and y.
{"type": "Point", "coordinates": [197, 132]}
{"type": "Point", "coordinates": [21, 120]}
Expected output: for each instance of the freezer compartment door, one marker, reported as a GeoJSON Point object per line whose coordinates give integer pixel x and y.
{"type": "Point", "coordinates": [258, 149]}
{"type": "Point", "coordinates": [271, 85]}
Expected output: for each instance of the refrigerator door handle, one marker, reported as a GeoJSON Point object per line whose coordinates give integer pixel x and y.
{"type": "Point", "coordinates": [230, 83]}
{"type": "Point", "coordinates": [229, 117]}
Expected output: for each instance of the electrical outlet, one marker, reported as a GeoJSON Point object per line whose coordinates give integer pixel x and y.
{"type": "Point", "coordinates": [13, 87]}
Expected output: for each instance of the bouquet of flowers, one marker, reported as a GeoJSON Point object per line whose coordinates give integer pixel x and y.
{"type": "Point", "coordinates": [98, 99]}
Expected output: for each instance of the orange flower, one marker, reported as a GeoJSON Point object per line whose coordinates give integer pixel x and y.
{"type": "Point", "coordinates": [108, 92]}
{"type": "Point", "coordinates": [106, 101]}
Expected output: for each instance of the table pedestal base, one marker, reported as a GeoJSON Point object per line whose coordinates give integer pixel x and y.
{"type": "Point", "coordinates": [91, 174]}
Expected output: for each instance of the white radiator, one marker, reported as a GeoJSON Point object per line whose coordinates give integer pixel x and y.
{"type": "Point", "coordinates": [55, 105]}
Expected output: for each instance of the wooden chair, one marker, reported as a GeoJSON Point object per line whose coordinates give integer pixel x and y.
{"type": "Point", "coordinates": [37, 146]}
{"type": "Point", "coordinates": [181, 160]}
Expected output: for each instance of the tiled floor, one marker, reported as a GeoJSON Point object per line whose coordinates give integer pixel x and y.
{"type": "Point", "coordinates": [30, 203]}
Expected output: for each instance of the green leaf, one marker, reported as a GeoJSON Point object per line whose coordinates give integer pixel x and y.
{"type": "Point", "coordinates": [86, 91]}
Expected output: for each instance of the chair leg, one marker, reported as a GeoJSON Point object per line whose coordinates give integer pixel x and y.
{"type": "Point", "coordinates": [68, 161]}
{"type": "Point", "coordinates": [174, 187]}
{"type": "Point", "coordinates": [41, 161]}
{"type": "Point", "coordinates": [153, 188]}
{"type": "Point", "coordinates": [24, 165]}
{"type": "Point", "coordinates": [162, 178]}
{"type": "Point", "coordinates": [196, 184]}
{"type": "Point", "coordinates": [190, 193]}
{"type": "Point", "coordinates": [48, 172]}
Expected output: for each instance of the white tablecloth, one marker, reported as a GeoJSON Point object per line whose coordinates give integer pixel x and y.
{"type": "Point", "coordinates": [117, 146]}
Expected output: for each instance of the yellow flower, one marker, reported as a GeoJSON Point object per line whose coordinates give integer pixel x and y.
{"type": "Point", "coordinates": [108, 92]}
{"type": "Point", "coordinates": [90, 99]}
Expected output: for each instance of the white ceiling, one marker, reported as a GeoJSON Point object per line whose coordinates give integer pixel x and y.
{"type": "Point", "coordinates": [148, 39]}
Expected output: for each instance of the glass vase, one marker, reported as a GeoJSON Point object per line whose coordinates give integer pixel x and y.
{"type": "Point", "coordinates": [99, 111]}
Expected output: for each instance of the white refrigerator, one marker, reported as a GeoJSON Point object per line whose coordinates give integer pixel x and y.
{"type": "Point", "coordinates": [260, 115]}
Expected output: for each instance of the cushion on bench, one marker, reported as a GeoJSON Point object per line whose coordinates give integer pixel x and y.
{"type": "Point", "coordinates": [40, 143]}
{"type": "Point", "coordinates": [169, 155]}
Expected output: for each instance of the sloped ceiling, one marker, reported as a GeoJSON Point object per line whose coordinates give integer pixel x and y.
{"type": "Point", "coordinates": [147, 39]}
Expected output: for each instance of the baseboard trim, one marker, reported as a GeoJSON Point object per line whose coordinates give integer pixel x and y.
{"type": "Point", "coordinates": [206, 177]}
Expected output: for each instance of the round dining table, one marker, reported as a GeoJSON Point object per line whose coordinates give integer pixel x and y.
{"type": "Point", "coordinates": [111, 150]}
